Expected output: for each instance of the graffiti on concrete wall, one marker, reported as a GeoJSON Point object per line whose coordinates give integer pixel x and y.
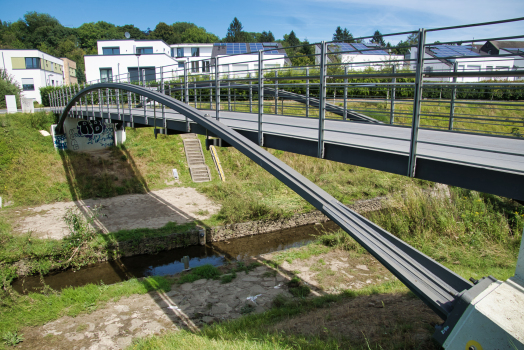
{"type": "Point", "coordinates": [60, 142]}
{"type": "Point", "coordinates": [89, 134]}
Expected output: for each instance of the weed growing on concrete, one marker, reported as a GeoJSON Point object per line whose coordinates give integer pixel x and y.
{"type": "Point", "coordinates": [12, 338]}
{"type": "Point", "coordinates": [205, 271]}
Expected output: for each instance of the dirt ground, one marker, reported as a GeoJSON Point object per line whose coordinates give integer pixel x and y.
{"type": "Point", "coordinates": [150, 210]}
{"type": "Point", "coordinates": [193, 305]}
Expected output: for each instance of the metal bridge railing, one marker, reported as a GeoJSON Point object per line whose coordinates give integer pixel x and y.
{"type": "Point", "coordinates": [435, 81]}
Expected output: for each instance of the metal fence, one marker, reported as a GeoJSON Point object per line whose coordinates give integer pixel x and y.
{"type": "Point", "coordinates": [451, 85]}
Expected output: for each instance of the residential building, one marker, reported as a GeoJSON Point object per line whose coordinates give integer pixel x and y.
{"type": "Point", "coordinates": [492, 56]}
{"type": "Point", "coordinates": [359, 56]}
{"type": "Point", "coordinates": [69, 71]}
{"type": "Point", "coordinates": [32, 69]}
{"type": "Point", "coordinates": [123, 60]}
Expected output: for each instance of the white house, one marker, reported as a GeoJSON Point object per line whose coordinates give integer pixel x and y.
{"type": "Point", "coordinates": [241, 59]}
{"type": "Point", "coordinates": [32, 69]}
{"type": "Point", "coordinates": [469, 58]}
{"type": "Point", "coordinates": [120, 60]}
{"type": "Point", "coordinates": [359, 56]}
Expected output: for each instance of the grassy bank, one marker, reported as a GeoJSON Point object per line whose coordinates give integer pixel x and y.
{"type": "Point", "coordinates": [36, 174]}
{"type": "Point", "coordinates": [473, 234]}
{"type": "Point", "coordinates": [18, 311]}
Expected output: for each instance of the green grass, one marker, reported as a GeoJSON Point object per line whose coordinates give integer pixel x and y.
{"type": "Point", "coordinates": [205, 271]}
{"type": "Point", "coordinates": [18, 311]}
{"type": "Point", "coordinates": [144, 163]}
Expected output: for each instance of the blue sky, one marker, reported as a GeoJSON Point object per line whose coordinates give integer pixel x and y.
{"type": "Point", "coordinates": [315, 20]}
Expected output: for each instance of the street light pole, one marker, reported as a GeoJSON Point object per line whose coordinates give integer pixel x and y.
{"type": "Point", "coordinates": [138, 63]}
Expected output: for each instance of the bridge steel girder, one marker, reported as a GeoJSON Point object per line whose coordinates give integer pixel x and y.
{"type": "Point", "coordinates": [436, 285]}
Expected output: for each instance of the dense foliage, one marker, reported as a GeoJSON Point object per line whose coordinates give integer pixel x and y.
{"type": "Point", "coordinates": [44, 32]}
{"type": "Point", "coordinates": [8, 86]}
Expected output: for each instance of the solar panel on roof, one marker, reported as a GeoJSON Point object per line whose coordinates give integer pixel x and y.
{"type": "Point", "coordinates": [254, 47]}
{"type": "Point", "coordinates": [359, 46]}
{"type": "Point", "coordinates": [270, 45]}
{"type": "Point", "coordinates": [235, 48]}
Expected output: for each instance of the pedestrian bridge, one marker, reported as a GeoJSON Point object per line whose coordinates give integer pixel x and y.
{"type": "Point", "coordinates": [481, 161]}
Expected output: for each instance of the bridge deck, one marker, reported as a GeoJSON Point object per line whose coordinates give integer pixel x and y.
{"type": "Point", "coordinates": [485, 163]}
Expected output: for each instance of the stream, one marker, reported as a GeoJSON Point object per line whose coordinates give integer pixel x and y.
{"type": "Point", "coordinates": [170, 262]}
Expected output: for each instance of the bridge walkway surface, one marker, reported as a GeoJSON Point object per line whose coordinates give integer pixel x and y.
{"type": "Point", "coordinates": [484, 163]}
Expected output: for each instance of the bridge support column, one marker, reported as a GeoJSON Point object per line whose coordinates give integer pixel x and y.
{"type": "Point", "coordinates": [322, 100]}
{"type": "Point", "coordinates": [416, 103]}
{"type": "Point", "coordinates": [276, 92]}
{"type": "Point", "coordinates": [345, 117]}
{"type": "Point", "coordinates": [144, 100]}
{"type": "Point", "coordinates": [163, 90]}
{"type": "Point", "coordinates": [453, 96]}
{"type": "Point", "coordinates": [186, 93]}
{"type": "Point", "coordinates": [392, 113]}
{"type": "Point", "coordinates": [260, 97]}
{"type": "Point", "coordinates": [100, 97]}
{"type": "Point", "coordinates": [217, 90]}
{"type": "Point", "coordinates": [250, 95]}
{"type": "Point", "coordinates": [307, 93]}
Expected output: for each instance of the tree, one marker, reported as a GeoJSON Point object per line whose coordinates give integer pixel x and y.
{"type": "Point", "coordinates": [378, 39]}
{"type": "Point", "coordinates": [343, 35]}
{"type": "Point", "coordinates": [234, 32]}
{"type": "Point", "coordinates": [266, 37]}
{"type": "Point", "coordinates": [164, 32]}
{"type": "Point", "coordinates": [292, 39]}
{"type": "Point", "coordinates": [197, 35]}
{"type": "Point", "coordinates": [404, 46]}
{"type": "Point", "coordinates": [134, 32]}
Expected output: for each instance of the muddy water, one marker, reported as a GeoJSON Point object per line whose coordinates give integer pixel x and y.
{"type": "Point", "coordinates": [170, 262]}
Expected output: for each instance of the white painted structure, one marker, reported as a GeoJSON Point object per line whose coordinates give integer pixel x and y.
{"type": "Point", "coordinates": [358, 61]}
{"type": "Point", "coordinates": [32, 69]}
{"type": "Point", "coordinates": [121, 60]}
{"type": "Point", "coordinates": [481, 63]}
{"type": "Point", "coordinates": [10, 101]}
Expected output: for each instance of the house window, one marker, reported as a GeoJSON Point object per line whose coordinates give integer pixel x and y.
{"type": "Point", "coordinates": [180, 52]}
{"type": "Point", "coordinates": [32, 63]}
{"type": "Point", "coordinates": [143, 50]}
{"type": "Point", "coordinates": [195, 51]}
{"type": "Point", "coordinates": [194, 66]}
{"type": "Point", "coordinates": [111, 50]}
{"type": "Point", "coordinates": [428, 69]}
{"type": "Point", "coordinates": [28, 84]}
{"type": "Point", "coordinates": [205, 66]}
{"type": "Point", "coordinates": [181, 65]}
{"type": "Point", "coordinates": [106, 75]}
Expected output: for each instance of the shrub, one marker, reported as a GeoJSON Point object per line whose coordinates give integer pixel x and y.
{"type": "Point", "coordinates": [8, 86]}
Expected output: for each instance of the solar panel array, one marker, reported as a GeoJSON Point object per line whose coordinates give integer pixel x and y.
{"type": "Point", "coordinates": [235, 48]}
{"type": "Point", "coordinates": [452, 51]}
{"type": "Point", "coordinates": [363, 49]}
{"type": "Point", "coordinates": [342, 47]}
{"type": "Point", "coordinates": [270, 46]}
{"type": "Point", "coordinates": [254, 47]}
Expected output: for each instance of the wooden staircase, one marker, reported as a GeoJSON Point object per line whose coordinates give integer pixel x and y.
{"type": "Point", "coordinates": [195, 158]}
